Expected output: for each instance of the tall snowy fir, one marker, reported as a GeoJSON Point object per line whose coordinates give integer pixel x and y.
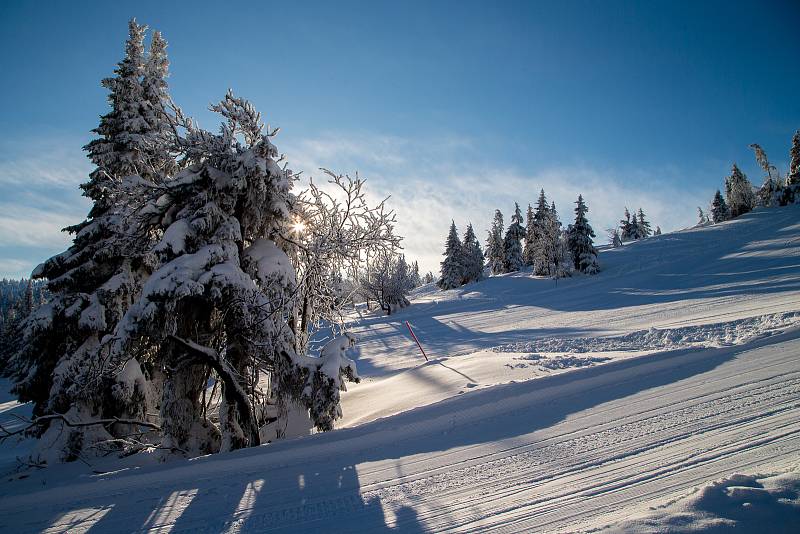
{"type": "Point", "coordinates": [495, 253]}
{"type": "Point", "coordinates": [580, 241]}
{"type": "Point", "coordinates": [642, 226]}
{"type": "Point", "coordinates": [740, 197]}
{"type": "Point", "coordinates": [160, 139]}
{"type": "Point", "coordinates": [512, 243]}
{"type": "Point", "coordinates": [472, 256]}
{"type": "Point", "coordinates": [628, 231]}
{"type": "Point", "coordinates": [542, 237]}
{"type": "Point", "coordinates": [529, 251]}
{"type": "Point", "coordinates": [93, 283]}
{"type": "Point", "coordinates": [171, 282]}
{"type": "Point", "coordinates": [791, 190]}
{"type": "Point", "coordinates": [793, 178]}
{"type": "Point", "coordinates": [769, 189]}
{"type": "Point", "coordinates": [560, 262]}
{"type": "Point", "coordinates": [614, 239]}
{"type": "Point", "coordinates": [452, 271]}
{"type": "Point", "coordinates": [719, 208]}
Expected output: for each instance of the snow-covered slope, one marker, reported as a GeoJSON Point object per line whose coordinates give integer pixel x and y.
{"type": "Point", "coordinates": [544, 408]}
{"type": "Point", "coordinates": [701, 287]}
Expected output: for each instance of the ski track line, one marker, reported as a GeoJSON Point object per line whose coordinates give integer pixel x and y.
{"type": "Point", "coordinates": [748, 396]}
{"type": "Point", "coordinates": [580, 467]}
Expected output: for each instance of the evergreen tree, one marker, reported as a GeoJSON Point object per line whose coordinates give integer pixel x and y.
{"type": "Point", "coordinates": [614, 238]}
{"type": "Point", "coordinates": [29, 303]}
{"type": "Point", "coordinates": [642, 226]}
{"type": "Point", "coordinates": [495, 254]}
{"type": "Point", "coordinates": [560, 257]}
{"type": "Point", "coordinates": [628, 230]}
{"type": "Point", "coordinates": [160, 139]}
{"type": "Point", "coordinates": [740, 196]}
{"type": "Point", "coordinates": [123, 146]}
{"type": "Point", "coordinates": [93, 283]}
{"type": "Point", "coordinates": [701, 217]}
{"type": "Point", "coordinates": [793, 178]}
{"type": "Point", "coordinates": [719, 209]}
{"type": "Point", "coordinates": [529, 252]}
{"type": "Point", "coordinates": [563, 257]}
{"type": "Point", "coordinates": [416, 280]}
{"type": "Point", "coordinates": [767, 192]}
{"type": "Point", "coordinates": [473, 257]}
{"type": "Point", "coordinates": [580, 241]}
{"type": "Point", "coordinates": [791, 190]}
{"type": "Point", "coordinates": [453, 265]}
{"type": "Point", "coordinates": [543, 237]}
{"type": "Point", "coordinates": [658, 228]}
{"type": "Point", "coordinates": [512, 243]}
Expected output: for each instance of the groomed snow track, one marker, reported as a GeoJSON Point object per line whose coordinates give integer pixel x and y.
{"type": "Point", "coordinates": [571, 452]}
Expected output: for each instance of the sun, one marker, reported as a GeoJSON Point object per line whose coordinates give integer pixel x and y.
{"type": "Point", "coordinates": [298, 227]}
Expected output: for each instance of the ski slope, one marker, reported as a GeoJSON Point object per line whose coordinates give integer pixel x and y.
{"type": "Point", "coordinates": [598, 404]}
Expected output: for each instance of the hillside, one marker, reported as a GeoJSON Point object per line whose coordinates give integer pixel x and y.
{"type": "Point", "coordinates": [702, 287]}
{"type": "Point", "coordinates": [568, 406]}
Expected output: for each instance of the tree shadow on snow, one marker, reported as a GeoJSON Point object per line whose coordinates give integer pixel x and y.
{"type": "Point", "coordinates": [330, 483]}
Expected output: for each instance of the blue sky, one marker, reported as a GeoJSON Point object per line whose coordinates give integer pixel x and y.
{"type": "Point", "coordinates": [452, 108]}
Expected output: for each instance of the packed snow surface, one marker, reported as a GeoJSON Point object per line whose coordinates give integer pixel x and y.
{"type": "Point", "coordinates": [661, 394]}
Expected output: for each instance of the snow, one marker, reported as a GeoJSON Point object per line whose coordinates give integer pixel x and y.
{"type": "Point", "coordinates": [741, 502]}
{"type": "Point", "coordinates": [662, 393]}
{"type": "Point", "coordinates": [270, 262]}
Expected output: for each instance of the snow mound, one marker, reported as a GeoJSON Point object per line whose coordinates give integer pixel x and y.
{"type": "Point", "coordinates": [703, 336]}
{"type": "Point", "coordinates": [738, 503]}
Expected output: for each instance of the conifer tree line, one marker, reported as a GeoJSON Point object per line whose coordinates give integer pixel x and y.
{"type": "Point", "coordinates": [538, 242]}
{"type": "Point", "coordinates": [18, 299]}
{"type": "Point", "coordinates": [632, 228]}
{"type": "Point", "coordinates": [179, 320]}
{"type": "Point", "coordinates": [741, 196]}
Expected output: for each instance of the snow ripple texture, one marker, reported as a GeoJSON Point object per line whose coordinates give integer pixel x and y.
{"type": "Point", "coordinates": [711, 335]}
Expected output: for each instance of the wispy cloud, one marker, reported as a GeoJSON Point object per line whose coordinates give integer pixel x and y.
{"type": "Point", "coordinates": [432, 181]}
{"type": "Point", "coordinates": [39, 182]}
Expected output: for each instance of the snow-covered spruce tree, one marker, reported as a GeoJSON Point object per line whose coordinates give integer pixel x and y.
{"type": "Point", "coordinates": [494, 245]}
{"type": "Point", "coordinates": [580, 240]}
{"type": "Point", "coordinates": [561, 255]}
{"type": "Point", "coordinates": [793, 178]}
{"type": "Point", "coordinates": [159, 136]}
{"type": "Point", "coordinates": [529, 251]}
{"type": "Point", "coordinates": [613, 237]}
{"type": "Point", "coordinates": [642, 226]}
{"type": "Point", "coordinates": [512, 243]}
{"type": "Point", "coordinates": [658, 228]}
{"type": "Point", "coordinates": [701, 217]}
{"type": "Point", "coordinates": [334, 230]}
{"type": "Point", "coordinates": [452, 271]}
{"type": "Point", "coordinates": [58, 365]}
{"type": "Point", "coordinates": [628, 227]}
{"type": "Point", "coordinates": [768, 192]}
{"type": "Point", "coordinates": [220, 300]}
{"type": "Point", "coordinates": [542, 238]}
{"type": "Point", "coordinates": [740, 197]}
{"type": "Point", "coordinates": [473, 257]}
{"type": "Point", "coordinates": [791, 189]}
{"type": "Point", "coordinates": [428, 278]}
{"type": "Point", "coordinates": [416, 279]}
{"type": "Point", "coordinates": [719, 209]}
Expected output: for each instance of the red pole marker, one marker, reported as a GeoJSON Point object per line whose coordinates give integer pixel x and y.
{"type": "Point", "coordinates": [417, 340]}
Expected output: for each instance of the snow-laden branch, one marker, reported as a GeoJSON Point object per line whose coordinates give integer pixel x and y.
{"type": "Point", "coordinates": [47, 419]}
